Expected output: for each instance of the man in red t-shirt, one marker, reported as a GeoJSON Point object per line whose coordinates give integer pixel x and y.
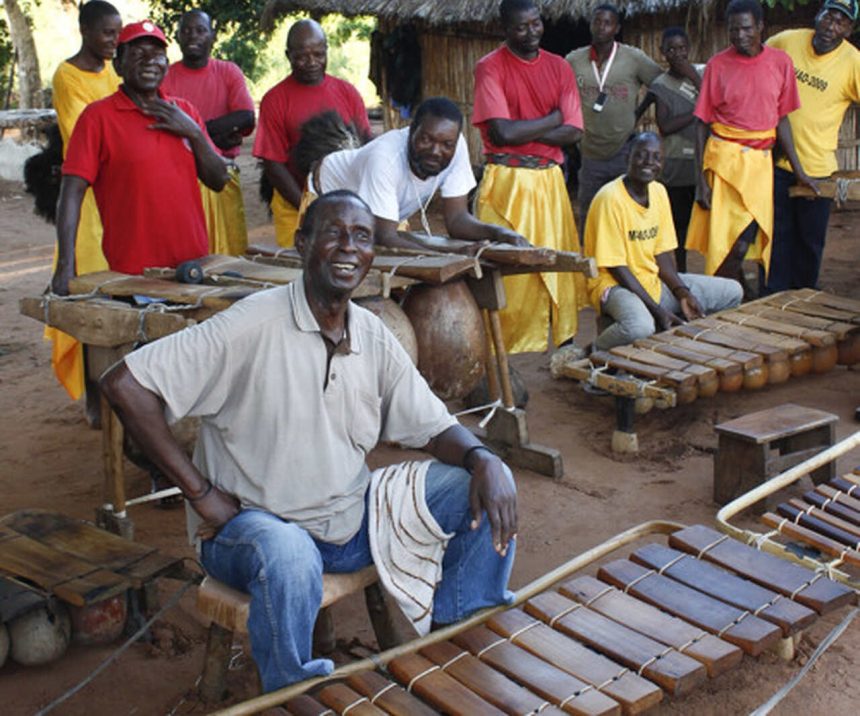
{"type": "Point", "coordinates": [527, 108]}
{"type": "Point", "coordinates": [217, 89]}
{"type": "Point", "coordinates": [142, 153]}
{"type": "Point", "coordinates": [305, 93]}
{"type": "Point", "coordinates": [747, 93]}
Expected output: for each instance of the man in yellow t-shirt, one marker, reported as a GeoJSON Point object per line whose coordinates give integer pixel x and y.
{"type": "Point", "coordinates": [827, 68]}
{"type": "Point", "coordinates": [84, 78]}
{"type": "Point", "coordinates": [630, 234]}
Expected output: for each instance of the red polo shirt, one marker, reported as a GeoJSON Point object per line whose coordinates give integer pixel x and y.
{"type": "Point", "coordinates": [145, 184]}
{"type": "Point", "coordinates": [509, 87]}
{"type": "Point", "coordinates": [217, 89]}
{"type": "Point", "coordinates": [289, 104]}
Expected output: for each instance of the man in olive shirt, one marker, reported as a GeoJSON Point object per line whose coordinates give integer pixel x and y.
{"type": "Point", "coordinates": [610, 75]}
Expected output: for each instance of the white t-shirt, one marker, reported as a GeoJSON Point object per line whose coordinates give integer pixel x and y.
{"type": "Point", "coordinates": [379, 173]}
{"type": "Point", "coordinates": [276, 431]}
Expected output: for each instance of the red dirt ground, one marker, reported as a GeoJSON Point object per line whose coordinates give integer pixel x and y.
{"type": "Point", "coordinates": [49, 459]}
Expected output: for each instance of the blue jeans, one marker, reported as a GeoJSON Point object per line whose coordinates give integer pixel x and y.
{"type": "Point", "coordinates": [632, 320]}
{"type": "Point", "coordinates": [799, 231]}
{"type": "Point", "coordinates": [281, 566]}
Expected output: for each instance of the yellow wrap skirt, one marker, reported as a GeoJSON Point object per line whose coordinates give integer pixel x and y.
{"type": "Point", "coordinates": [225, 217]}
{"type": "Point", "coordinates": [67, 356]}
{"type": "Point", "coordinates": [741, 181]}
{"type": "Point", "coordinates": [534, 203]}
{"type": "Point", "coordinates": [286, 220]}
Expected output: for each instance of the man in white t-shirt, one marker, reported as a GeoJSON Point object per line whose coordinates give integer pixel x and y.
{"type": "Point", "coordinates": [399, 173]}
{"type": "Point", "coordinates": [294, 387]}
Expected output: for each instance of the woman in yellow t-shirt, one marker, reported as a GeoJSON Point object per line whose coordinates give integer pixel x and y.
{"type": "Point", "coordinates": [85, 77]}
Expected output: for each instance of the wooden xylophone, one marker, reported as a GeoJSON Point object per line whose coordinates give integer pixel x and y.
{"type": "Point", "coordinates": [788, 334]}
{"type": "Point", "coordinates": [658, 624]}
{"type": "Point", "coordinates": [823, 521]}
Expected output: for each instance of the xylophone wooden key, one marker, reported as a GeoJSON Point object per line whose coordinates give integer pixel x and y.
{"type": "Point", "coordinates": [833, 520]}
{"type": "Point", "coordinates": [776, 359]}
{"type": "Point", "coordinates": [847, 334]}
{"type": "Point", "coordinates": [832, 506]}
{"type": "Point", "coordinates": [737, 626]}
{"type": "Point", "coordinates": [684, 384]}
{"type": "Point", "coordinates": [489, 684]}
{"type": "Point", "coordinates": [634, 693]}
{"type": "Point", "coordinates": [799, 351]}
{"type": "Point", "coordinates": [673, 671]}
{"type": "Point", "coordinates": [755, 371]}
{"type": "Point", "coordinates": [789, 616]}
{"type": "Point", "coordinates": [440, 690]}
{"type": "Point", "coordinates": [729, 373]}
{"type": "Point", "coordinates": [717, 655]}
{"type": "Point", "coordinates": [342, 698]}
{"type": "Point", "coordinates": [304, 705]}
{"type": "Point", "coordinates": [706, 377]}
{"type": "Point", "coordinates": [800, 584]}
{"type": "Point", "coordinates": [824, 352]}
{"type": "Point", "coordinates": [388, 695]}
{"type": "Point", "coordinates": [548, 681]}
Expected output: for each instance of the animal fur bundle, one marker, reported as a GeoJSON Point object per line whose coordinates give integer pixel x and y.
{"type": "Point", "coordinates": [42, 175]}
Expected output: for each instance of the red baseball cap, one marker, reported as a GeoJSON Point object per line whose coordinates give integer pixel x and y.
{"type": "Point", "coordinates": [136, 30]}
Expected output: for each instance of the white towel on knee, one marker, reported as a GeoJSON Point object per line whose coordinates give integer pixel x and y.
{"type": "Point", "coordinates": [406, 542]}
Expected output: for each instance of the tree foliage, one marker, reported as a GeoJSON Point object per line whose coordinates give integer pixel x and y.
{"type": "Point", "coordinates": [7, 55]}
{"type": "Point", "coordinates": [239, 35]}
{"type": "Point", "coordinates": [787, 4]}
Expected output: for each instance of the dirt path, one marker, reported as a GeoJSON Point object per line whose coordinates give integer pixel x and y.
{"type": "Point", "coordinates": [50, 459]}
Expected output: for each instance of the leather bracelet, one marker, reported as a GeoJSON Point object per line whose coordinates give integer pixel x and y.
{"type": "Point", "coordinates": [472, 449]}
{"type": "Point", "coordinates": [682, 287]}
{"type": "Point", "coordinates": [205, 493]}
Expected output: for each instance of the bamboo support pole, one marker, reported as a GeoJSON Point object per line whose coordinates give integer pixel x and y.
{"type": "Point", "coordinates": [276, 698]}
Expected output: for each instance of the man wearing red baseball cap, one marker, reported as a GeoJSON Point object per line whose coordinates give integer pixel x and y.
{"type": "Point", "coordinates": [142, 153]}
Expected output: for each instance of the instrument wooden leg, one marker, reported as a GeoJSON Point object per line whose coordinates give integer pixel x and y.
{"type": "Point", "coordinates": [501, 359]}
{"type": "Point", "coordinates": [111, 515]}
{"type": "Point", "coordinates": [324, 638]}
{"type": "Point", "coordinates": [213, 682]}
{"type": "Point", "coordinates": [491, 365]}
{"type": "Point", "coordinates": [387, 635]}
{"type": "Point", "coordinates": [624, 438]}
{"type": "Point", "coordinates": [508, 434]}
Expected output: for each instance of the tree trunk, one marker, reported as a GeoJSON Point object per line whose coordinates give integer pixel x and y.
{"type": "Point", "coordinates": [29, 79]}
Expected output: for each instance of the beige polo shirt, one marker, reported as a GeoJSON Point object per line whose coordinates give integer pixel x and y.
{"type": "Point", "coordinates": [274, 432]}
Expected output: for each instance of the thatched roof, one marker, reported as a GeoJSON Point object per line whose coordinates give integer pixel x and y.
{"type": "Point", "coordinates": [439, 12]}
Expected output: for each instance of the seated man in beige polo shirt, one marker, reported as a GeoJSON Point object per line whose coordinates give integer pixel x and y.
{"type": "Point", "coordinates": [294, 386]}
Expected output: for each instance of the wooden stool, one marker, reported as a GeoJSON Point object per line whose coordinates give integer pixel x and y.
{"type": "Point", "coordinates": [228, 609]}
{"type": "Point", "coordinates": [760, 445]}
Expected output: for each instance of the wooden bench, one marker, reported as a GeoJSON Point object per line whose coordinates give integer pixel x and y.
{"type": "Point", "coordinates": [758, 446]}
{"type": "Point", "coordinates": [228, 609]}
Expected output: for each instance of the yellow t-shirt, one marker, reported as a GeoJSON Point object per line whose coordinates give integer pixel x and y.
{"type": "Point", "coordinates": [827, 84]}
{"type": "Point", "coordinates": [74, 89]}
{"type": "Point", "coordinates": [621, 232]}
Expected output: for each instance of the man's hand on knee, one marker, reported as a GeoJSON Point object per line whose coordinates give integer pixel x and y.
{"type": "Point", "coordinates": [493, 491]}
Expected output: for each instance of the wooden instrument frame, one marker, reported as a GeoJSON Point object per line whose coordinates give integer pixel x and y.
{"type": "Point", "coordinates": [564, 571]}
{"type": "Point", "coordinates": [764, 541]}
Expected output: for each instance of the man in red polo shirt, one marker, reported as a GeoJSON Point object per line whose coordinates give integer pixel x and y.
{"type": "Point", "coordinates": [305, 93]}
{"type": "Point", "coordinates": [142, 154]}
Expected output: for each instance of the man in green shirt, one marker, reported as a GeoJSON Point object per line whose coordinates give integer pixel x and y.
{"type": "Point", "coordinates": [610, 75]}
